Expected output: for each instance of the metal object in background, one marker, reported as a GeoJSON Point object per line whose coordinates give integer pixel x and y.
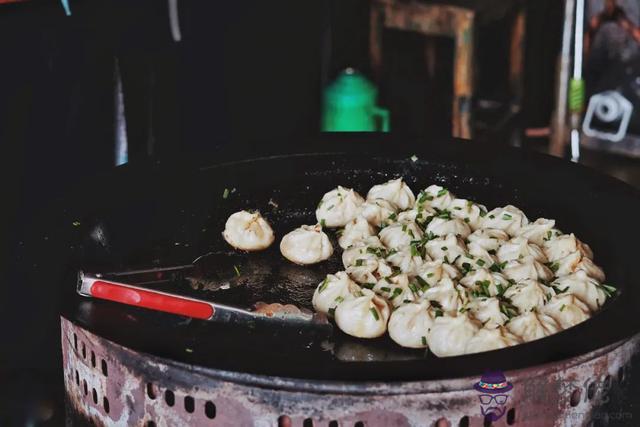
{"type": "Point", "coordinates": [432, 19]}
{"type": "Point", "coordinates": [607, 116]}
{"type": "Point", "coordinates": [120, 118]}
{"type": "Point", "coordinates": [559, 117]}
{"type": "Point", "coordinates": [350, 105]}
{"type": "Point", "coordinates": [576, 85]}
{"type": "Point", "coordinates": [174, 20]}
{"type": "Point", "coordinates": [109, 384]}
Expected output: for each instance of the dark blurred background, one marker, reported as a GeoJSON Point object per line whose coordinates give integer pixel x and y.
{"type": "Point", "coordinates": [245, 74]}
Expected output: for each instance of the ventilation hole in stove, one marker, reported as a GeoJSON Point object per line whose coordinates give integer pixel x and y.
{"type": "Point", "coordinates": [284, 421]}
{"type": "Point", "coordinates": [75, 341]}
{"type": "Point", "coordinates": [464, 422]}
{"type": "Point", "coordinates": [77, 378]}
{"type": "Point", "coordinates": [487, 421]}
{"type": "Point", "coordinates": [169, 397]}
{"type": "Point", "coordinates": [307, 423]}
{"type": "Point", "coordinates": [359, 424]}
{"type": "Point", "coordinates": [84, 386]}
{"type": "Point", "coordinates": [94, 394]}
{"type": "Point", "coordinates": [442, 422]}
{"type": "Point", "coordinates": [151, 392]}
{"type": "Point", "coordinates": [334, 423]}
{"type": "Point", "coordinates": [84, 351]}
{"type": "Point", "coordinates": [591, 390]}
{"type": "Point", "coordinates": [105, 403]}
{"type": "Point", "coordinates": [189, 404]}
{"type": "Point", "coordinates": [105, 371]}
{"type": "Point", "coordinates": [575, 397]}
{"type": "Point", "coordinates": [621, 374]}
{"type": "Point", "coordinates": [151, 424]}
{"type": "Point", "coordinates": [607, 382]}
{"type": "Point", "coordinates": [511, 416]}
{"type": "Point", "coordinates": [93, 359]}
{"type": "Point", "coordinates": [210, 410]}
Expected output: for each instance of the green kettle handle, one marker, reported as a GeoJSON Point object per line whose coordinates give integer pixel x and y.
{"type": "Point", "coordinates": [384, 118]}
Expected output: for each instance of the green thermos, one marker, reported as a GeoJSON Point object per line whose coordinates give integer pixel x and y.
{"type": "Point", "coordinates": [350, 105]}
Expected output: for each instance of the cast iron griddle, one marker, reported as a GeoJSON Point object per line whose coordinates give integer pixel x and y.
{"type": "Point", "coordinates": [166, 214]}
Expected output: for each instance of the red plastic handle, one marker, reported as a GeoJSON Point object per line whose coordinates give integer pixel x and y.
{"type": "Point", "coordinates": [153, 300]}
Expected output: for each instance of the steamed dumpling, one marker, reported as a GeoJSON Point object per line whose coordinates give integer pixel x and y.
{"type": "Point", "coordinates": [356, 230]}
{"type": "Point", "coordinates": [528, 295]}
{"type": "Point", "coordinates": [487, 311]}
{"type": "Point", "coordinates": [395, 191]}
{"type": "Point", "coordinates": [564, 245]}
{"type": "Point", "coordinates": [567, 310]}
{"type": "Point", "coordinates": [363, 316]}
{"type": "Point", "coordinates": [509, 219]}
{"type": "Point", "coordinates": [396, 289]}
{"type": "Point", "coordinates": [590, 269]}
{"type": "Point", "coordinates": [488, 238]}
{"type": "Point", "coordinates": [527, 268]}
{"type": "Point", "coordinates": [533, 325]}
{"type": "Point", "coordinates": [338, 207]}
{"type": "Point", "coordinates": [378, 212]}
{"type": "Point", "coordinates": [518, 248]}
{"type": "Point", "coordinates": [469, 212]}
{"type": "Point", "coordinates": [485, 281]}
{"type": "Point", "coordinates": [576, 261]}
{"type": "Point", "coordinates": [436, 197]}
{"type": "Point", "coordinates": [449, 335]}
{"type": "Point", "coordinates": [248, 231]}
{"type": "Point", "coordinates": [447, 296]}
{"type": "Point", "coordinates": [361, 259]}
{"type": "Point", "coordinates": [588, 290]}
{"type": "Point", "coordinates": [400, 235]}
{"type": "Point", "coordinates": [406, 260]}
{"type": "Point", "coordinates": [306, 245]}
{"type": "Point", "coordinates": [538, 231]}
{"type": "Point", "coordinates": [332, 290]}
{"type": "Point", "coordinates": [431, 272]}
{"type": "Point", "coordinates": [409, 325]}
{"type": "Point", "coordinates": [447, 248]}
{"type": "Point", "coordinates": [475, 257]}
{"type": "Point", "coordinates": [487, 339]}
{"type": "Point", "coordinates": [442, 227]}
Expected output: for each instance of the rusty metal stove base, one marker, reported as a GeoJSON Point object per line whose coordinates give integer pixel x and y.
{"type": "Point", "coordinates": [111, 385]}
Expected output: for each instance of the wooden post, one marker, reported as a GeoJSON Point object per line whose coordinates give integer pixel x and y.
{"type": "Point", "coordinates": [431, 19]}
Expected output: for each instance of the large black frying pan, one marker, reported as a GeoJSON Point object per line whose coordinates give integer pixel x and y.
{"type": "Point", "coordinates": [167, 214]}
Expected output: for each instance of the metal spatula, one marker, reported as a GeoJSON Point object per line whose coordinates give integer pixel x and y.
{"type": "Point", "coordinates": [134, 288]}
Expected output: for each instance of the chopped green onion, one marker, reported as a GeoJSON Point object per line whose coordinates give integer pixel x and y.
{"type": "Point", "coordinates": [359, 262]}
{"type": "Point", "coordinates": [563, 307]}
{"type": "Point", "coordinates": [506, 217]}
{"type": "Point", "coordinates": [423, 284]}
{"type": "Point", "coordinates": [323, 285]}
{"type": "Point", "coordinates": [225, 193]}
{"type": "Point", "coordinates": [235, 267]}
{"type": "Point", "coordinates": [608, 290]}
{"type": "Point", "coordinates": [374, 312]}
{"type": "Point", "coordinates": [323, 224]}
{"type": "Point", "coordinates": [442, 192]}
{"type": "Point", "coordinates": [424, 340]}
{"type": "Point", "coordinates": [480, 262]}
